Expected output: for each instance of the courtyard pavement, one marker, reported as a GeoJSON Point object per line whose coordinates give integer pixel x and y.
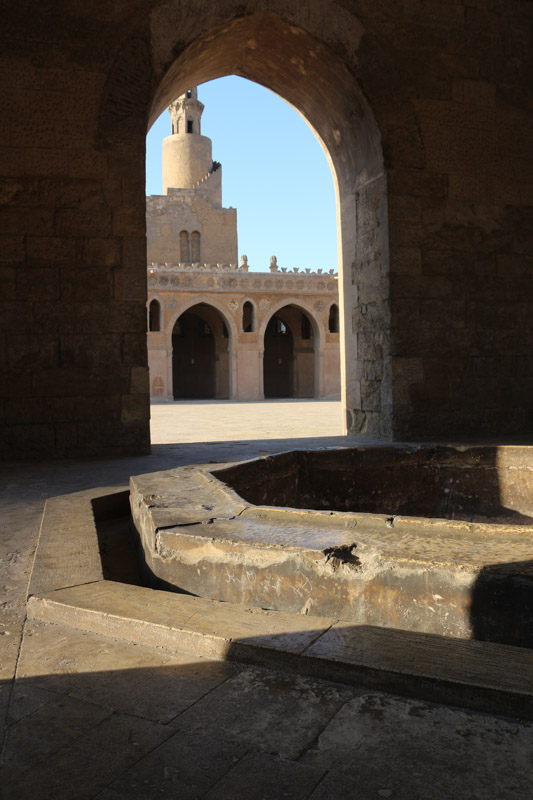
{"type": "Point", "coordinates": [88, 716]}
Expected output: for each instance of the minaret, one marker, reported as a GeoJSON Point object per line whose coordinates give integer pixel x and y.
{"type": "Point", "coordinates": [187, 155]}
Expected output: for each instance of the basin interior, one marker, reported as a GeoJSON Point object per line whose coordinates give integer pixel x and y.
{"type": "Point", "coordinates": [474, 484]}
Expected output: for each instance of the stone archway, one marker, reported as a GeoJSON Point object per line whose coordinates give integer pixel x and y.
{"type": "Point", "coordinates": [307, 73]}
{"type": "Point", "coordinates": [200, 355]}
{"type": "Point", "coordinates": [291, 347]}
{"type": "Point", "coordinates": [278, 359]}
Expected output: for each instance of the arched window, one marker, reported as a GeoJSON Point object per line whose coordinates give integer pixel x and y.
{"type": "Point", "coordinates": [195, 247]}
{"type": "Point", "coordinates": [305, 328]}
{"type": "Point", "coordinates": [154, 316]}
{"type": "Point", "coordinates": [333, 321]}
{"type": "Point", "coordinates": [189, 126]}
{"type": "Point", "coordinates": [248, 317]}
{"type": "Point", "coordinates": [184, 246]}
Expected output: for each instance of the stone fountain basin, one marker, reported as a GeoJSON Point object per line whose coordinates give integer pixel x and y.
{"type": "Point", "coordinates": [422, 538]}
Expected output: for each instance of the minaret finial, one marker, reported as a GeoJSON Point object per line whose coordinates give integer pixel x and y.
{"type": "Point", "coordinates": [186, 113]}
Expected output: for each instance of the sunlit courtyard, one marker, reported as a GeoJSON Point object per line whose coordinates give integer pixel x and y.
{"type": "Point", "coordinates": [224, 421]}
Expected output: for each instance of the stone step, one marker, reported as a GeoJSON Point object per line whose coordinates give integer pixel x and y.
{"type": "Point", "coordinates": [478, 675]}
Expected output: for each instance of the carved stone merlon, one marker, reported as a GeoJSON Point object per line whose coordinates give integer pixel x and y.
{"type": "Point", "coordinates": [244, 263]}
{"type": "Point", "coordinates": [273, 264]}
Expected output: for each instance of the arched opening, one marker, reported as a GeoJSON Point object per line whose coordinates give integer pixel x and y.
{"type": "Point", "coordinates": [154, 316]}
{"type": "Point", "coordinates": [289, 355]}
{"type": "Point", "coordinates": [333, 319]}
{"type": "Point", "coordinates": [278, 359]}
{"type": "Point", "coordinates": [200, 355]}
{"type": "Point", "coordinates": [312, 78]}
{"type": "Point", "coordinates": [195, 247]}
{"type": "Point", "coordinates": [248, 317]}
{"type": "Point", "coordinates": [185, 255]}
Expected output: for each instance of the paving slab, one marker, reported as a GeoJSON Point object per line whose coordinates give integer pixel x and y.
{"type": "Point", "coordinates": [383, 746]}
{"type": "Point", "coordinates": [147, 681]}
{"type": "Point", "coordinates": [27, 699]}
{"type": "Point", "coordinates": [268, 711]}
{"type": "Point", "coordinates": [83, 768]}
{"type": "Point", "coordinates": [43, 732]}
{"type": "Point", "coordinates": [186, 766]}
{"type": "Point", "coordinates": [271, 778]}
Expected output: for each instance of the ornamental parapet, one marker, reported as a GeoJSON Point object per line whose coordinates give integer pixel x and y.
{"type": "Point", "coordinates": [231, 277]}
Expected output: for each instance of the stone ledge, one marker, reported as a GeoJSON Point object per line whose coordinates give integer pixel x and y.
{"type": "Point", "coordinates": [477, 675]}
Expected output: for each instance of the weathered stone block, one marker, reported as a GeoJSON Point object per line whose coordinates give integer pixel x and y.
{"type": "Point", "coordinates": [33, 441]}
{"type": "Point", "coordinates": [408, 286]}
{"type": "Point", "coordinates": [418, 183]}
{"type": "Point", "coordinates": [8, 281]}
{"type": "Point", "coordinates": [114, 317]}
{"type": "Point", "coordinates": [19, 192]}
{"type": "Point", "coordinates": [129, 222]}
{"type": "Point", "coordinates": [12, 312]}
{"type": "Point", "coordinates": [54, 317]}
{"type": "Point", "coordinates": [24, 351]}
{"type": "Point", "coordinates": [92, 252]}
{"type": "Point", "coordinates": [406, 260]}
{"type": "Point", "coordinates": [22, 221]}
{"type": "Point", "coordinates": [12, 249]}
{"type": "Point", "coordinates": [135, 407]}
{"type": "Point", "coordinates": [66, 438]}
{"type": "Point", "coordinates": [139, 382]}
{"type": "Point", "coordinates": [86, 284]}
{"type": "Point", "coordinates": [50, 251]}
{"type": "Point", "coordinates": [82, 351]}
{"type": "Point", "coordinates": [38, 283]}
{"type": "Point", "coordinates": [134, 349]}
{"type": "Point", "coordinates": [74, 222]}
{"type": "Point", "coordinates": [76, 382]}
{"type": "Point", "coordinates": [129, 283]}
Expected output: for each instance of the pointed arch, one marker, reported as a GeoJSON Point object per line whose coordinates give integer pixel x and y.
{"type": "Point", "coordinates": [249, 321]}
{"type": "Point", "coordinates": [154, 316]}
{"type": "Point", "coordinates": [333, 318]}
{"type": "Point", "coordinates": [297, 63]}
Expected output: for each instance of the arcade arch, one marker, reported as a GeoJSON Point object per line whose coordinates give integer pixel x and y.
{"type": "Point", "coordinates": [291, 346]}
{"type": "Point", "coordinates": [200, 354]}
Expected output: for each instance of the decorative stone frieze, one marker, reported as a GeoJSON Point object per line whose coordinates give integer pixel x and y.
{"type": "Point", "coordinates": [227, 277]}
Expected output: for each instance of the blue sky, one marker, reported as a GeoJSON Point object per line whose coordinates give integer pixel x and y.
{"type": "Point", "coordinates": [275, 174]}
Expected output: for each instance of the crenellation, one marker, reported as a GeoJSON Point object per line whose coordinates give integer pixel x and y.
{"type": "Point", "coordinates": [159, 268]}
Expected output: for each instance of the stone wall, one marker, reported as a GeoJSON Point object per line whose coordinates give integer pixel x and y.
{"type": "Point", "coordinates": [423, 109]}
{"type": "Point", "coordinates": [168, 215]}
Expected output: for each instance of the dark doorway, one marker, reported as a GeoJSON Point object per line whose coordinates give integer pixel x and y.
{"type": "Point", "coordinates": [193, 358]}
{"type": "Point", "coordinates": [278, 359]}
